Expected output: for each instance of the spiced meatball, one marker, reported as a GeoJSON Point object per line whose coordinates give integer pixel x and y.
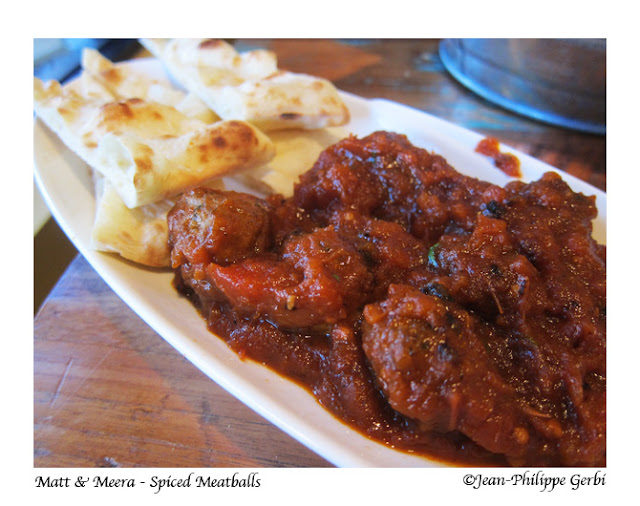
{"type": "Point", "coordinates": [451, 371]}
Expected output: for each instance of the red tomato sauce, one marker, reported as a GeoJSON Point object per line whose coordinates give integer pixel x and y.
{"type": "Point", "coordinates": [506, 162]}
{"type": "Point", "coordinates": [433, 312]}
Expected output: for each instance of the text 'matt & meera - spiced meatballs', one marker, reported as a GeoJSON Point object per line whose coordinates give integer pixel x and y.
{"type": "Point", "coordinates": [429, 310]}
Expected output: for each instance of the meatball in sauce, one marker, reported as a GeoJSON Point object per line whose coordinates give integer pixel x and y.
{"type": "Point", "coordinates": [431, 311]}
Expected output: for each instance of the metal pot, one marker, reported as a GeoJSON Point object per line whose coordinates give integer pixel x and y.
{"type": "Point", "coordinates": [557, 81]}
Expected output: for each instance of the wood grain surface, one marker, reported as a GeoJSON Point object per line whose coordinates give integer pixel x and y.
{"type": "Point", "coordinates": [109, 391]}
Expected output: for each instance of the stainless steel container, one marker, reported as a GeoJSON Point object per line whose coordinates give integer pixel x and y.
{"type": "Point", "coordinates": [557, 81]}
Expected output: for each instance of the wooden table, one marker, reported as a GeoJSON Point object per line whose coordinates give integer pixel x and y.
{"type": "Point", "coordinates": [110, 392]}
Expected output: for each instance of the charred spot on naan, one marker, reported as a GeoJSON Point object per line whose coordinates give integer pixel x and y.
{"type": "Point", "coordinates": [237, 137]}
{"type": "Point", "coordinates": [114, 113]}
{"type": "Point", "coordinates": [290, 116]}
{"type": "Point", "coordinates": [130, 110]}
{"type": "Point", "coordinates": [144, 160]}
{"type": "Point", "coordinates": [113, 76]}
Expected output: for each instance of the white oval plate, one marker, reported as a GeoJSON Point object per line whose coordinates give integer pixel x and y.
{"type": "Point", "coordinates": [66, 186]}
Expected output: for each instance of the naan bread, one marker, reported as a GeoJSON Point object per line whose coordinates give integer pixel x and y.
{"type": "Point", "coordinates": [141, 234]}
{"type": "Point", "coordinates": [147, 136]}
{"type": "Point", "coordinates": [122, 82]}
{"type": "Point", "coordinates": [296, 152]}
{"type": "Point", "coordinates": [248, 86]}
{"type": "Point", "coordinates": [148, 151]}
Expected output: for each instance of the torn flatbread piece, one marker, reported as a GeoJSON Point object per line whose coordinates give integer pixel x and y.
{"type": "Point", "coordinates": [249, 86]}
{"type": "Point", "coordinates": [140, 234]}
{"type": "Point", "coordinates": [122, 82]}
{"type": "Point", "coordinates": [148, 151]}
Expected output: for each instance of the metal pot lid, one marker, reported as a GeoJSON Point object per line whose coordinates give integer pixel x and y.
{"type": "Point", "coordinates": [556, 81]}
